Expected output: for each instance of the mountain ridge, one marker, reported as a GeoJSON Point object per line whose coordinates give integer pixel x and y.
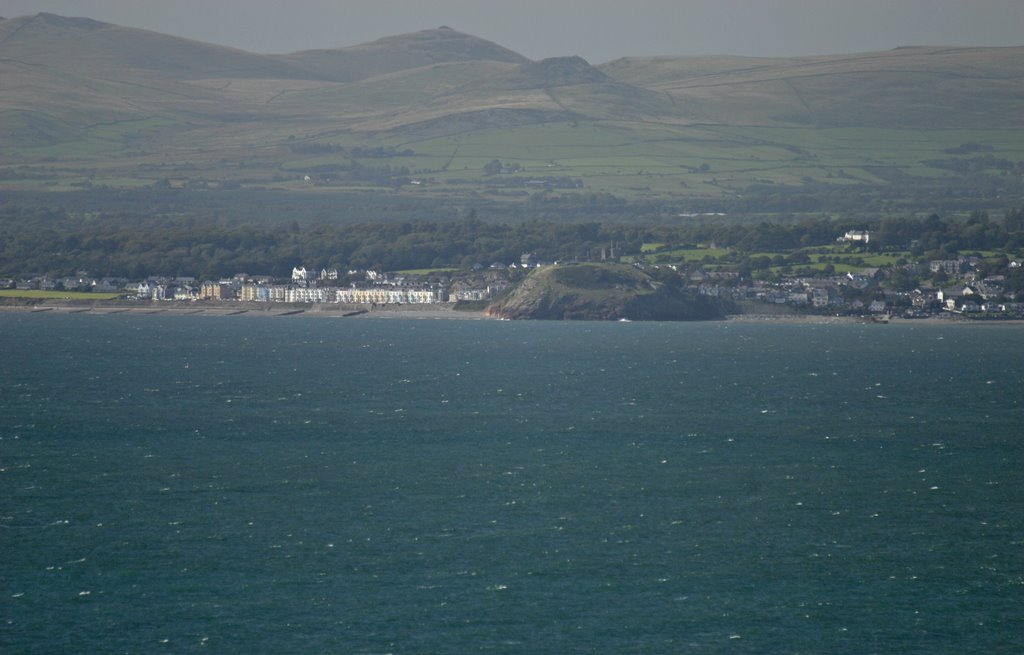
{"type": "Point", "coordinates": [929, 86]}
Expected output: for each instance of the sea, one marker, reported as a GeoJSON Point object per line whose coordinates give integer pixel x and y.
{"type": "Point", "coordinates": [191, 484]}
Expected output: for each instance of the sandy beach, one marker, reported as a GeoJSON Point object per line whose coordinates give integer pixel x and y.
{"type": "Point", "coordinates": [230, 308]}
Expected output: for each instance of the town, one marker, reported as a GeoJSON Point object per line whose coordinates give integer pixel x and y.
{"type": "Point", "coordinates": [974, 286]}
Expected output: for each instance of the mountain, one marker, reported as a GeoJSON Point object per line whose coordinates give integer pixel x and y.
{"type": "Point", "coordinates": [532, 93]}
{"type": "Point", "coordinates": [66, 74]}
{"type": "Point", "coordinates": [135, 108]}
{"type": "Point", "coordinates": [88, 48]}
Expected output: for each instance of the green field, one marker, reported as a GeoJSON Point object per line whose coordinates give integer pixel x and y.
{"type": "Point", "coordinates": [635, 161]}
{"type": "Point", "coordinates": [56, 295]}
{"type": "Point", "coordinates": [839, 257]}
{"type": "Point", "coordinates": [681, 255]}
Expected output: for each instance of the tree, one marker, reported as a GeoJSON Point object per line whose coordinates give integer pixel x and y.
{"type": "Point", "coordinates": [1015, 220]}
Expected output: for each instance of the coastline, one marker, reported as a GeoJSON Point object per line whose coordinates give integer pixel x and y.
{"type": "Point", "coordinates": [241, 309]}
{"type": "Point", "coordinates": [412, 312]}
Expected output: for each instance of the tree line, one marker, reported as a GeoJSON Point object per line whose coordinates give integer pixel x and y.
{"type": "Point", "coordinates": [125, 244]}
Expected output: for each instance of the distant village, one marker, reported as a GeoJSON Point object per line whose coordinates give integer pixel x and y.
{"type": "Point", "coordinates": [360, 287]}
{"type": "Point", "coordinates": [865, 292]}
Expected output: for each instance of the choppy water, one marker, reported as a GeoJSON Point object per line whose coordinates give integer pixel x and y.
{"type": "Point", "coordinates": [230, 485]}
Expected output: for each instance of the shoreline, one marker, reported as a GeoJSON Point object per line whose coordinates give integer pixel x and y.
{"type": "Point", "coordinates": [232, 308]}
{"type": "Point", "coordinates": [415, 312]}
{"type": "Point", "coordinates": [813, 319]}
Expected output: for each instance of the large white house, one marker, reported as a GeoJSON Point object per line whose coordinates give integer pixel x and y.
{"type": "Point", "coordinates": [856, 236]}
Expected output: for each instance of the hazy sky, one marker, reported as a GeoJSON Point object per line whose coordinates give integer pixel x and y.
{"type": "Point", "coordinates": [598, 30]}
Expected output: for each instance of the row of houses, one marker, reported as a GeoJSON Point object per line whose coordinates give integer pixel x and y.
{"type": "Point", "coordinates": [846, 294]}
{"type": "Point", "coordinates": [249, 292]}
{"type": "Point", "coordinates": [306, 287]}
{"type": "Point", "coordinates": [70, 283]}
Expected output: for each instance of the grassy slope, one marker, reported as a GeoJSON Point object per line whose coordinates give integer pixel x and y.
{"type": "Point", "coordinates": [913, 88]}
{"type": "Point", "coordinates": [398, 53]}
{"type": "Point", "coordinates": [597, 292]}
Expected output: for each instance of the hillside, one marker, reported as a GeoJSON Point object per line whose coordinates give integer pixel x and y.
{"type": "Point", "coordinates": [599, 292]}
{"type": "Point", "coordinates": [397, 53]}
{"type": "Point", "coordinates": [82, 46]}
{"type": "Point", "coordinates": [89, 104]}
{"type": "Point", "coordinates": [913, 88]}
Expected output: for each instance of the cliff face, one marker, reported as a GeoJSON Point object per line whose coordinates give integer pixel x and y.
{"type": "Point", "coordinates": [600, 292]}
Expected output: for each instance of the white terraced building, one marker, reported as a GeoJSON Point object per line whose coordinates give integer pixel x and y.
{"type": "Point", "coordinates": [386, 296]}
{"type": "Point", "coordinates": [311, 294]}
{"type": "Point", "coordinates": [367, 296]}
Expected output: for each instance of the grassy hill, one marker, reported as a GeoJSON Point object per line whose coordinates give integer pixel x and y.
{"type": "Point", "coordinates": [599, 292]}
{"type": "Point", "coordinates": [90, 104]}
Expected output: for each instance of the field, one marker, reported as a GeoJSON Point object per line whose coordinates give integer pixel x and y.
{"type": "Point", "coordinates": [56, 295]}
{"type": "Point", "coordinates": [630, 160]}
{"type": "Point", "coordinates": [839, 257]}
{"type": "Point", "coordinates": [653, 254]}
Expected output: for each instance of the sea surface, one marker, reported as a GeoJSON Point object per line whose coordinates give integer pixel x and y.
{"type": "Point", "coordinates": [173, 484]}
